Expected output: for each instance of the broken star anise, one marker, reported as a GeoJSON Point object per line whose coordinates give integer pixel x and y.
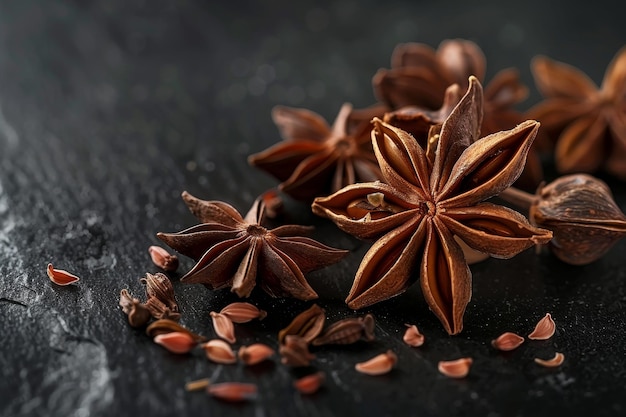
{"type": "Point", "coordinates": [315, 159]}
{"type": "Point", "coordinates": [237, 252]}
{"type": "Point", "coordinates": [587, 123]}
{"type": "Point", "coordinates": [424, 202]}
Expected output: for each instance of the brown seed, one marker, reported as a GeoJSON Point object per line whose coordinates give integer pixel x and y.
{"type": "Point", "coordinates": [295, 352]}
{"type": "Point", "coordinates": [241, 312]}
{"type": "Point", "coordinates": [158, 310]}
{"type": "Point", "coordinates": [544, 329]}
{"type": "Point", "coordinates": [308, 324]}
{"type": "Point", "coordinates": [197, 384]}
{"type": "Point", "coordinates": [347, 331]}
{"type": "Point", "coordinates": [310, 384]}
{"type": "Point", "coordinates": [163, 259]}
{"type": "Point", "coordinates": [233, 391]}
{"type": "Point", "coordinates": [219, 351]}
{"type": "Point", "coordinates": [507, 341]}
{"type": "Point", "coordinates": [176, 342]}
{"type": "Point", "coordinates": [378, 365]}
{"type": "Point", "coordinates": [223, 327]}
{"type": "Point", "coordinates": [458, 368]}
{"type": "Point", "coordinates": [138, 315]}
{"type": "Point", "coordinates": [61, 277]}
{"type": "Point", "coordinates": [160, 287]}
{"type": "Point", "coordinates": [255, 353]}
{"type": "Point", "coordinates": [412, 336]}
{"type": "Point", "coordinates": [551, 363]}
{"type": "Point", "coordinates": [164, 326]}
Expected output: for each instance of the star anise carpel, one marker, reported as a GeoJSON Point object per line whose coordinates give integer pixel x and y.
{"type": "Point", "coordinates": [425, 199]}
{"type": "Point", "coordinates": [316, 159]}
{"type": "Point", "coordinates": [586, 123]}
{"type": "Point", "coordinates": [239, 252]}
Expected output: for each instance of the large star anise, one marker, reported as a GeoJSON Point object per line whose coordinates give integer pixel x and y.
{"type": "Point", "coordinates": [430, 199]}
{"type": "Point", "coordinates": [315, 159]}
{"type": "Point", "coordinates": [587, 123]}
{"type": "Point", "coordinates": [236, 252]}
{"type": "Point", "coordinates": [419, 76]}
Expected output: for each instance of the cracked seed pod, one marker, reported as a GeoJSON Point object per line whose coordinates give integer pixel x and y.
{"type": "Point", "coordinates": [581, 212]}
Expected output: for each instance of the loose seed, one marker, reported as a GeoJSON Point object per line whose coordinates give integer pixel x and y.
{"type": "Point", "coordinates": [219, 351]}
{"type": "Point", "coordinates": [347, 331]}
{"type": "Point", "coordinates": [412, 336]}
{"type": "Point", "coordinates": [61, 277]}
{"type": "Point", "coordinates": [310, 384]}
{"type": "Point", "coordinates": [551, 363]}
{"type": "Point", "coordinates": [197, 385]}
{"type": "Point", "coordinates": [176, 342]}
{"type": "Point", "coordinates": [163, 259]}
{"type": "Point", "coordinates": [255, 353]}
{"type": "Point", "coordinates": [223, 327]}
{"type": "Point", "coordinates": [165, 326]}
{"type": "Point", "coordinates": [159, 310]}
{"type": "Point", "coordinates": [233, 391]}
{"type": "Point", "coordinates": [160, 287]}
{"type": "Point", "coordinates": [295, 352]}
{"type": "Point", "coordinates": [138, 315]}
{"type": "Point", "coordinates": [308, 324]}
{"type": "Point", "coordinates": [241, 312]}
{"type": "Point", "coordinates": [544, 329]}
{"type": "Point", "coordinates": [507, 341]}
{"type": "Point", "coordinates": [458, 368]}
{"type": "Point", "coordinates": [378, 365]}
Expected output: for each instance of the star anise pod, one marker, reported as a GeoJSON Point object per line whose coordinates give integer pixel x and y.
{"type": "Point", "coordinates": [588, 123]}
{"type": "Point", "coordinates": [419, 76]}
{"type": "Point", "coordinates": [424, 202]}
{"type": "Point", "coordinates": [236, 252]}
{"type": "Point", "coordinates": [315, 159]}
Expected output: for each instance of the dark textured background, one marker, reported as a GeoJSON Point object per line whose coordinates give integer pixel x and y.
{"type": "Point", "coordinates": [108, 110]}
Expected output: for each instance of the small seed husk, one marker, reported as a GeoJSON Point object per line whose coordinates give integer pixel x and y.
{"type": "Point", "coordinates": [458, 368]}
{"type": "Point", "coordinates": [255, 353]}
{"type": "Point", "coordinates": [412, 336]}
{"type": "Point", "coordinates": [307, 325]}
{"type": "Point", "coordinates": [310, 384]}
{"type": "Point", "coordinates": [159, 310]}
{"type": "Point", "coordinates": [507, 341]}
{"type": "Point", "coordinates": [160, 287]}
{"type": "Point", "coordinates": [219, 351]}
{"type": "Point", "coordinates": [60, 276]}
{"type": "Point", "coordinates": [378, 365]}
{"type": "Point", "coordinates": [233, 391]}
{"type": "Point", "coordinates": [164, 326]}
{"type": "Point", "coordinates": [347, 331]}
{"type": "Point", "coordinates": [295, 352]}
{"type": "Point", "coordinates": [544, 329]}
{"type": "Point", "coordinates": [242, 312]}
{"type": "Point", "coordinates": [176, 342]}
{"type": "Point", "coordinates": [223, 327]}
{"type": "Point", "coordinates": [138, 315]}
{"type": "Point", "coordinates": [557, 360]}
{"type": "Point", "coordinates": [197, 385]}
{"type": "Point", "coordinates": [163, 259]}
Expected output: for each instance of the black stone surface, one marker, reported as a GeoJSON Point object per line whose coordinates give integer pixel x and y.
{"type": "Point", "coordinates": [110, 109]}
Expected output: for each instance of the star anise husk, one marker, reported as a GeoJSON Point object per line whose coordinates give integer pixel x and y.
{"type": "Point", "coordinates": [316, 159]}
{"type": "Point", "coordinates": [238, 252]}
{"type": "Point", "coordinates": [424, 202]}
{"type": "Point", "coordinates": [587, 124]}
{"type": "Point", "coordinates": [420, 75]}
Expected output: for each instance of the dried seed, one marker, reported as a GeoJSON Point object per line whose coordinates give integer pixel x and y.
{"type": "Point", "coordinates": [138, 315]}
{"type": "Point", "coordinates": [507, 341]}
{"type": "Point", "coordinates": [158, 310]}
{"type": "Point", "coordinates": [412, 336]}
{"type": "Point", "coordinates": [308, 324]}
{"type": "Point", "coordinates": [255, 353]}
{"type": "Point", "coordinates": [197, 384]}
{"type": "Point", "coordinates": [164, 326]}
{"type": "Point", "coordinates": [551, 363]}
{"type": "Point", "coordinates": [295, 352]}
{"type": "Point", "coordinates": [163, 259]}
{"type": "Point", "coordinates": [544, 329]}
{"type": "Point", "coordinates": [223, 327]}
{"type": "Point", "coordinates": [219, 351]}
{"type": "Point", "coordinates": [310, 384]}
{"type": "Point", "coordinates": [378, 365]}
{"type": "Point", "coordinates": [176, 342]}
{"type": "Point", "coordinates": [61, 277]}
{"type": "Point", "coordinates": [160, 287]}
{"type": "Point", "coordinates": [347, 331]}
{"type": "Point", "coordinates": [241, 312]}
{"type": "Point", "coordinates": [458, 368]}
{"type": "Point", "coordinates": [233, 391]}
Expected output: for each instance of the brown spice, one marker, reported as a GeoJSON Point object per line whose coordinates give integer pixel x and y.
{"type": "Point", "coordinates": [164, 326]}
{"type": "Point", "coordinates": [163, 259]}
{"type": "Point", "coordinates": [160, 287]}
{"type": "Point", "coordinates": [310, 384]}
{"type": "Point", "coordinates": [241, 312]}
{"type": "Point", "coordinates": [307, 325]}
{"type": "Point", "coordinates": [223, 327]}
{"type": "Point", "coordinates": [60, 276]}
{"type": "Point", "coordinates": [507, 341]}
{"type": "Point", "coordinates": [233, 391]}
{"type": "Point", "coordinates": [378, 365]}
{"type": "Point", "coordinates": [219, 351]}
{"type": "Point", "coordinates": [412, 336]}
{"type": "Point", "coordinates": [197, 384]}
{"type": "Point", "coordinates": [544, 329]}
{"type": "Point", "coordinates": [458, 368]}
{"type": "Point", "coordinates": [255, 353]}
{"type": "Point", "coordinates": [159, 310]}
{"type": "Point", "coordinates": [294, 351]}
{"type": "Point", "coordinates": [347, 331]}
{"type": "Point", "coordinates": [557, 360]}
{"type": "Point", "coordinates": [176, 342]}
{"type": "Point", "coordinates": [138, 315]}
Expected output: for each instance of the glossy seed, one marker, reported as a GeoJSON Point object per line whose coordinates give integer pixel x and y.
{"type": "Point", "coordinates": [347, 331]}
{"type": "Point", "coordinates": [219, 351]}
{"type": "Point", "coordinates": [308, 324]}
{"type": "Point", "coordinates": [197, 384]}
{"type": "Point", "coordinates": [255, 353]}
{"type": "Point", "coordinates": [163, 259]}
{"type": "Point", "coordinates": [241, 312]}
{"type": "Point", "coordinates": [223, 327]}
{"type": "Point", "coordinates": [310, 384]}
{"type": "Point", "coordinates": [233, 391]}
{"type": "Point", "coordinates": [61, 277]}
{"type": "Point", "coordinates": [176, 342]}
{"type": "Point", "coordinates": [412, 336]}
{"type": "Point", "coordinates": [557, 360]}
{"type": "Point", "coordinates": [160, 287]}
{"type": "Point", "coordinates": [295, 352]}
{"type": "Point", "coordinates": [159, 310]}
{"type": "Point", "coordinates": [458, 368]}
{"type": "Point", "coordinates": [544, 329]}
{"type": "Point", "coordinates": [507, 341]}
{"type": "Point", "coordinates": [378, 365]}
{"type": "Point", "coordinates": [164, 326]}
